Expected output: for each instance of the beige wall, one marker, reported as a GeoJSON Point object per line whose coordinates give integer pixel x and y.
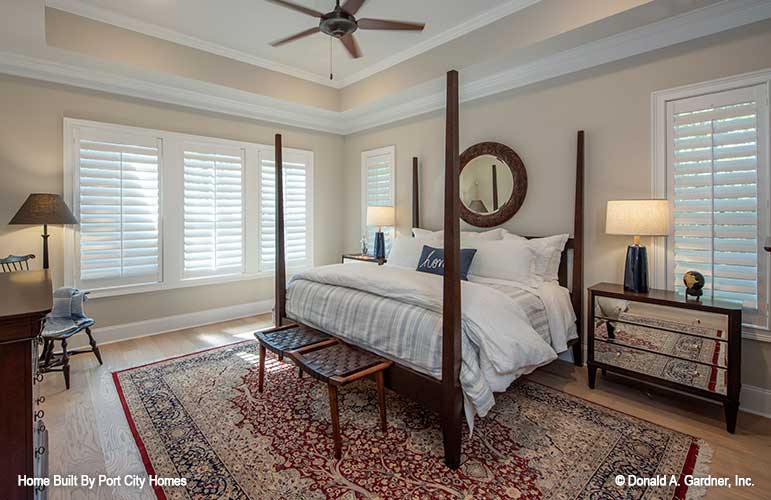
{"type": "Point", "coordinates": [612, 104]}
{"type": "Point", "coordinates": [31, 161]}
{"type": "Point", "coordinates": [105, 41]}
{"type": "Point", "coordinates": [544, 28]}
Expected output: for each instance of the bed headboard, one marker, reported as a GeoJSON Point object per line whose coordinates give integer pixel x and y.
{"type": "Point", "coordinates": [571, 270]}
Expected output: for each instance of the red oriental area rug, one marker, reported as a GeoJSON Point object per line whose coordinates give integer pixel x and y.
{"type": "Point", "coordinates": [200, 417]}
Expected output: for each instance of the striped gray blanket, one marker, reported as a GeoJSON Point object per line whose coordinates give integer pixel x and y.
{"type": "Point", "coordinates": [406, 333]}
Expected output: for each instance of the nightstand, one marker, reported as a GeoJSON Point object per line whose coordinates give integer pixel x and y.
{"type": "Point", "coordinates": [663, 339]}
{"type": "Point", "coordinates": [362, 258]}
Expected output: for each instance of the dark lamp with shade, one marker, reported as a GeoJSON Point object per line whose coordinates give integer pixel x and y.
{"type": "Point", "coordinates": [637, 218]}
{"type": "Point", "coordinates": [380, 216]}
{"type": "Point", "coordinates": [45, 209]}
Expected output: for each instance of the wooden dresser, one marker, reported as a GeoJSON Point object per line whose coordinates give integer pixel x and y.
{"type": "Point", "coordinates": [662, 338]}
{"type": "Point", "coordinates": [26, 299]}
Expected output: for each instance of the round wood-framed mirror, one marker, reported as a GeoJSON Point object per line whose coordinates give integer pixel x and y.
{"type": "Point", "coordinates": [493, 184]}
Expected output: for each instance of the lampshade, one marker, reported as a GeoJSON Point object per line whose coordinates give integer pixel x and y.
{"type": "Point", "coordinates": [638, 217]}
{"type": "Point", "coordinates": [43, 208]}
{"type": "Point", "coordinates": [380, 216]}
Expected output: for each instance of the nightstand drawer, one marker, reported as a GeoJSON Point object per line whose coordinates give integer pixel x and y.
{"type": "Point", "coordinates": [681, 371]}
{"type": "Point", "coordinates": [703, 324]}
{"type": "Point", "coordinates": [687, 346]}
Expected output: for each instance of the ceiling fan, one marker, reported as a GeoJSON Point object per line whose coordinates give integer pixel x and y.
{"type": "Point", "coordinates": [341, 24]}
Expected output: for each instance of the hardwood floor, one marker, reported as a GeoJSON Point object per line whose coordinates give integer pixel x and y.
{"type": "Point", "coordinates": [89, 433]}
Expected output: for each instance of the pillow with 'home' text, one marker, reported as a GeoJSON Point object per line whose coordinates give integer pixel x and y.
{"type": "Point", "coordinates": [432, 261]}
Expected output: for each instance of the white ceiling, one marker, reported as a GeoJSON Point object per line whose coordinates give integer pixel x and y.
{"type": "Point", "coordinates": [243, 29]}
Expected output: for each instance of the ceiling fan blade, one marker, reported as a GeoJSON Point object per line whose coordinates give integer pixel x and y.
{"type": "Point", "coordinates": [353, 6]}
{"type": "Point", "coordinates": [383, 24]}
{"type": "Point", "coordinates": [353, 47]}
{"type": "Point", "coordinates": [298, 8]}
{"type": "Point", "coordinates": [296, 36]}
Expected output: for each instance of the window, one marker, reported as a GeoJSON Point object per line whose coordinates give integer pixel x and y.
{"type": "Point", "coordinates": [161, 210]}
{"type": "Point", "coordinates": [378, 190]}
{"type": "Point", "coordinates": [297, 208]}
{"type": "Point", "coordinates": [117, 203]}
{"type": "Point", "coordinates": [718, 182]}
{"type": "Point", "coordinates": [213, 234]}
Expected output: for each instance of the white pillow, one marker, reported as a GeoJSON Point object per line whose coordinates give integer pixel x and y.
{"type": "Point", "coordinates": [405, 251]}
{"type": "Point", "coordinates": [548, 255]}
{"type": "Point", "coordinates": [508, 260]}
{"type": "Point", "coordinates": [493, 234]}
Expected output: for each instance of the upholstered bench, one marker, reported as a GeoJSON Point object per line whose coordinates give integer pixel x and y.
{"type": "Point", "coordinates": [339, 364]}
{"type": "Point", "coordinates": [284, 339]}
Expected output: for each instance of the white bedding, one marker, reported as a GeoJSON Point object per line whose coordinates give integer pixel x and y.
{"type": "Point", "coordinates": [506, 346]}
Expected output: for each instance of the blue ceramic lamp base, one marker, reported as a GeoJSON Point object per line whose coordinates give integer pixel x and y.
{"type": "Point", "coordinates": [636, 269]}
{"type": "Point", "coordinates": [379, 245]}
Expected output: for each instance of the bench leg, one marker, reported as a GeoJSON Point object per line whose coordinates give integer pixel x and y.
{"type": "Point", "coordinates": [334, 413]}
{"type": "Point", "coordinates": [262, 368]}
{"type": "Point", "coordinates": [379, 378]}
{"type": "Point", "coordinates": [94, 347]}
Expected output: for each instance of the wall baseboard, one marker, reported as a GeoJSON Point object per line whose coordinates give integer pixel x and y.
{"type": "Point", "coordinates": [756, 400]}
{"type": "Point", "coordinates": [145, 328]}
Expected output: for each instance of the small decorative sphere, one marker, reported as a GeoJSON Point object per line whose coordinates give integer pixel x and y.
{"type": "Point", "coordinates": [694, 282]}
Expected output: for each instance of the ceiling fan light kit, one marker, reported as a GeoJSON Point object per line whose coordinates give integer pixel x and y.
{"type": "Point", "coordinates": [341, 23]}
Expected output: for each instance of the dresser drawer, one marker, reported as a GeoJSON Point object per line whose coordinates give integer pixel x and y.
{"type": "Point", "coordinates": [681, 371]}
{"type": "Point", "coordinates": [687, 346]}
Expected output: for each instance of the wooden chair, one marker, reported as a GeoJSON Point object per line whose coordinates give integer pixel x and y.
{"type": "Point", "coordinates": [60, 329]}
{"type": "Point", "coordinates": [338, 364]}
{"type": "Point", "coordinates": [16, 263]}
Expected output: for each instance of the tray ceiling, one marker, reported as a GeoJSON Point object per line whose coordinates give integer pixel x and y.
{"type": "Point", "coordinates": [243, 29]}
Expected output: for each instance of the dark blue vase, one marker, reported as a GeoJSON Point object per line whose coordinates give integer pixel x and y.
{"type": "Point", "coordinates": [379, 245]}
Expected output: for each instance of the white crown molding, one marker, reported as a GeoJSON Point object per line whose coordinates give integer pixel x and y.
{"type": "Point", "coordinates": [424, 98]}
{"type": "Point", "coordinates": [684, 27]}
{"type": "Point", "coordinates": [93, 12]}
{"type": "Point", "coordinates": [175, 90]}
{"type": "Point", "coordinates": [476, 22]}
{"type": "Point", "coordinates": [84, 9]}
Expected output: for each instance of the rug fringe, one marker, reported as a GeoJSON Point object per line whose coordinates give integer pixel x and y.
{"type": "Point", "coordinates": [701, 469]}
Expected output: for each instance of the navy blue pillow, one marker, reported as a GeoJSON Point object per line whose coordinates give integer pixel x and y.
{"type": "Point", "coordinates": [432, 261]}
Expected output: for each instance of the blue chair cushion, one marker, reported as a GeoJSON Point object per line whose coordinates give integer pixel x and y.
{"type": "Point", "coordinates": [62, 328]}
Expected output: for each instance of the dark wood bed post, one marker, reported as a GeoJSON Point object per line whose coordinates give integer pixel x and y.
{"type": "Point", "coordinates": [578, 252]}
{"type": "Point", "coordinates": [415, 193]}
{"type": "Point", "coordinates": [279, 310]}
{"type": "Point", "coordinates": [452, 397]}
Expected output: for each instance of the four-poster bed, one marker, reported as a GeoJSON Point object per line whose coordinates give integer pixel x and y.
{"type": "Point", "coordinates": [445, 394]}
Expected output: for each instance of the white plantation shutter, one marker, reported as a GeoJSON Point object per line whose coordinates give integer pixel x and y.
{"type": "Point", "coordinates": [378, 189]}
{"type": "Point", "coordinates": [719, 187]}
{"type": "Point", "coordinates": [297, 209]}
{"type": "Point", "coordinates": [117, 199]}
{"type": "Point", "coordinates": [213, 213]}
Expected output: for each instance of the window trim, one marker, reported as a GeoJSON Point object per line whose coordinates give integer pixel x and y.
{"type": "Point", "coordinates": [659, 172]}
{"type": "Point", "coordinates": [171, 195]}
{"type": "Point", "coordinates": [385, 150]}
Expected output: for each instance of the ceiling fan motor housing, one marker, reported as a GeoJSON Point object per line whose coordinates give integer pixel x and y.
{"type": "Point", "coordinates": [338, 24]}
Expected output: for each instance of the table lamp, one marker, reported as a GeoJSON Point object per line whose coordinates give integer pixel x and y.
{"type": "Point", "coordinates": [43, 208]}
{"type": "Point", "coordinates": [380, 216]}
{"type": "Point", "coordinates": [637, 218]}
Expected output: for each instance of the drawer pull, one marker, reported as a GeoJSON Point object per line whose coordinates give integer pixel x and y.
{"type": "Point", "coordinates": [40, 400]}
{"type": "Point", "coordinates": [41, 427]}
{"type": "Point", "coordinates": [38, 414]}
{"type": "Point", "coordinates": [39, 377]}
{"type": "Point", "coordinates": [40, 451]}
